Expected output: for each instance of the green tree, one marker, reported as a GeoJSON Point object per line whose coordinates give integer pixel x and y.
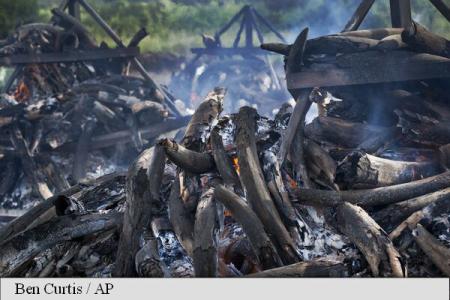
{"type": "Point", "coordinates": [16, 12]}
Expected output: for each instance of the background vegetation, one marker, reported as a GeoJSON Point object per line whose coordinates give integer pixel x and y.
{"type": "Point", "coordinates": [176, 25]}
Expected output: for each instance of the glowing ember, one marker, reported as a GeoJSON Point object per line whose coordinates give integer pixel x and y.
{"type": "Point", "coordinates": [236, 164]}
{"type": "Point", "coordinates": [292, 183]}
{"type": "Point", "coordinates": [22, 92]}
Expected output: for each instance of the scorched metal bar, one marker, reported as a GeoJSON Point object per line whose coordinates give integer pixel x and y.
{"type": "Point", "coordinates": [68, 56]}
{"type": "Point", "coordinates": [228, 51]}
{"type": "Point", "coordinates": [443, 8]}
{"type": "Point", "coordinates": [358, 16]}
{"type": "Point", "coordinates": [400, 13]}
{"type": "Point", "coordinates": [381, 73]}
{"type": "Point", "coordinates": [74, 9]}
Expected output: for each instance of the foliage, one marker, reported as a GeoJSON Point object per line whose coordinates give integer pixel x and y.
{"type": "Point", "coordinates": [176, 25]}
{"type": "Point", "coordinates": [15, 12]}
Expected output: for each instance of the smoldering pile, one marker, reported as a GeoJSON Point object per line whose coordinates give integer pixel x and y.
{"type": "Point", "coordinates": [249, 82]}
{"type": "Point", "coordinates": [244, 195]}
{"type": "Point", "coordinates": [70, 111]}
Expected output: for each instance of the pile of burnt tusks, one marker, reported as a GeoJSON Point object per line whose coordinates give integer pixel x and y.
{"type": "Point", "coordinates": [63, 121]}
{"type": "Point", "coordinates": [243, 195]}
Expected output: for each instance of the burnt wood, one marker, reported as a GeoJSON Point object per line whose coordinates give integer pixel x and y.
{"type": "Point", "coordinates": [206, 230]}
{"type": "Point", "coordinates": [255, 186]}
{"type": "Point", "coordinates": [252, 226]}
{"type": "Point", "coordinates": [378, 196]}
{"type": "Point", "coordinates": [143, 203]}
{"type": "Point", "coordinates": [371, 240]}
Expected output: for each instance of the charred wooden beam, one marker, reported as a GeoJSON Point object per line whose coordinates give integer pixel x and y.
{"type": "Point", "coordinates": [68, 56]}
{"type": "Point", "coordinates": [378, 196]}
{"type": "Point", "coordinates": [253, 228]}
{"type": "Point", "coordinates": [223, 51]}
{"type": "Point", "coordinates": [371, 240]}
{"type": "Point", "coordinates": [391, 66]}
{"type": "Point", "coordinates": [143, 203]}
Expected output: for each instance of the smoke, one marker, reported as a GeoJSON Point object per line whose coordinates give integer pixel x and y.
{"type": "Point", "coordinates": [327, 18]}
{"type": "Point", "coordinates": [247, 81]}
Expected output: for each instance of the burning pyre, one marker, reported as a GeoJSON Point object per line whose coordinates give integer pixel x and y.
{"type": "Point", "coordinates": [361, 190]}
{"type": "Point", "coordinates": [225, 201]}
{"type": "Point", "coordinates": [70, 111]}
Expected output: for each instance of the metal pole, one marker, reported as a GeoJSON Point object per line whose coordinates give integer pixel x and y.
{"type": "Point", "coordinates": [358, 16]}
{"type": "Point", "coordinates": [248, 27]}
{"type": "Point", "coordinates": [74, 9]}
{"type": "Point", "coordinates": [401, 13]}
{"type": "Point", "coordinates": [443, 8]}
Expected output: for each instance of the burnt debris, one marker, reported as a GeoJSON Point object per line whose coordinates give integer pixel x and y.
{"type": "Point", "coordinates": [358, 187]}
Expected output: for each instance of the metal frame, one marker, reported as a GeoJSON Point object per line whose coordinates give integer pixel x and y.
{"type": "Point", "coordinates": [71, 56]}
{"type": "Point", "coordinates": [400, 13]}
{"type": "Point", "coordinates": [250, 22]}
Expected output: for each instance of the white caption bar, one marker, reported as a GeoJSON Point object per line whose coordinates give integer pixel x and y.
{"type": "Point", "coordinates": [224, 289]}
